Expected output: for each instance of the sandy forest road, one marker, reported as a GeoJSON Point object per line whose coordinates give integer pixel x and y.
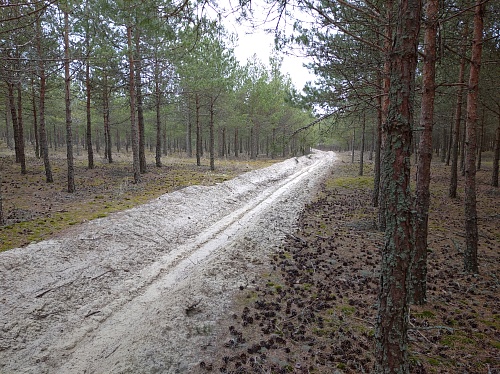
{"type": "Point", "coordinates": [141, 290]}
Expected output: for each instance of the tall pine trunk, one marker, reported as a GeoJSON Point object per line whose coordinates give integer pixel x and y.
{"type": "Point", "coordinates": [108, 154]}
{"type": "Point", "coordinates": [44, 146]}
{"type": "Point", "coordinates": [7, 125]}
{"type": "Point", "coordinates": [20, 125]}
{"type": "Point", "coordinates": [189, 135]}
{"type": "Point", "coordinates": [378, 146]}
{"type": "Point", "coordinates": [225, 143]}
{"type": "Point", "coordinates": [35, 120]}
{"type": "Point", "coordinates": [88, 137]}
{"type": "Point", "coordinates": [496, 154]}
{"type": "Point", "coordinates": [422, 200]}
{"type": "Point", "coordinates": [362, 151]}
{"type": "Point", "coordinates": [480, 143]}
{"type": "Point", "coordinates": [140, 107]}
{"type": "Point", "coordinates": [211, 145]}
{"type": "Point", "coordinates": [471, 234]}
{"type": "Point", "coordinates": [118, 141]}
{"type": "Point", "coordinates": [236, 148]}
{"type": "Point", "coordinates": [67, 100]}
{"type": "Point", "coordinates": [353, 140]}
{"type": "Point", "coordinates": [2, 217]}
{"type": "Point", "coordinates": [134, 131]}
{"type": "Point", "coordinates": [444, 144]}
{"type": "Point", "coordinates": [391, 332]}
{"type": "Point", "coordinates": [198, 131]}
{"type": "Point", "coordinates": [463, 152]}
{"type": "Point", "coordinates": [252, 143]}
{"type": "Point", "coordinates": [158, 113]}
{"type": "Point", "coordinates": [13, 116]}
{"type": "Point", "coordinates": [457, 122]}
{"type": "Point", "coordinates": [386, 79]}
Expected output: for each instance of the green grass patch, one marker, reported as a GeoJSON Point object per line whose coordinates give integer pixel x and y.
{"type": "Point", "coordinates": [307, 286]}
{"type": "Point", "coordinates": [458, 339]}
{"type": "Point", "coordinates": [427, 314]}
{"type": "Point", "coordinates": [349, 182]}
{"type": "Point", "coordinates": [433, 361]}
{"type": "Point", "coordinates": [347, 310]}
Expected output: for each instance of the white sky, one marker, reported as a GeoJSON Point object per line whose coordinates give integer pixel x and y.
{"type": "Point", "coordinates": [262, 45]}
{"type": "Point", "coordinates": [256, 41]}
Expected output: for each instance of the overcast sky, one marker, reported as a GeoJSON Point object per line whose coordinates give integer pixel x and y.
{"type": "Point", "coordinates": [262, 45]}
{"type": "Point", "coordinates": [256, 41]}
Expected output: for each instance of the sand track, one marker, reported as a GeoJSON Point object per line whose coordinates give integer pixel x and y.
{"type": "Point", "coordinates": [141, 290]}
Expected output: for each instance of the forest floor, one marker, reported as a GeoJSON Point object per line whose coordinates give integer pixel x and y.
{"type": "Point", "coordinates": [314, 309]}
{"type": "Point", "coordinates": [305, 303]}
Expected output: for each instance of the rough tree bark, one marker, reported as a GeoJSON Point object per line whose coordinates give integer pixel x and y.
{"type": "Point", "coordinates": [13, 116]}
{"type": "Point", "coordinates": [378, 147]}
{"type": "Point", "coordinates": [158, 113]}
{"type": "Point", "coordinates": [211, 146]}
{"type": "Point", "coordinates": [90, 151]}
{"type": "Point", "coordinates": [140, 106]}
{"type": "Point", "coordinates": [223, 144]}
{"type": "Point", "coordinates": [67, 99]}
{"type": "Point", "coordinates": [422, 200]}
{"type": "Point", "coordinates": [2, 218]}
{"type": "Point", "coordinates": [480, 143]}
{"type": "Point", "coordinates": [88, 138]}
{"type": "Point", "coordinates": [362, 151]}
{"type": "Point", "coordinates": [35, 120]}
{"type": "Point", "coordinates": [462, 153]}
{"type": "Point", "coordinates": [108, 154]}
{"type": "Point", "coordinates": [458, 117]}
{"type": "Point", "coordinates": [353, 139]}
{"type": "Point", "coordinates": [14, 84]}
{"type": "Point", "coordinates": [189, 140]}
{"type": "Point", "coordinates": [444, 144]}
{"type": "Point", "coordinates": [251, 145]}
{"type": "Point", "coordinates": [236, 143]}
{"type": "Point", "coordinates": [44, 147]}
{"type": "Point", "coordinates": [450, 143]}
{"type": "Point", "coordinates": [386, 79]}
{"type": "Point", "coordinates": [164, 139]}
{"type": "Point", "coordinates": [118, 141]}
{"type": "Point", "coordinates": [20, 124]}
{"type": "Point", "coordinates": [134, 131]}
{"type": "Point", "coordinates": [496, 155]}
{"type": "Point", "coordinates": [391, 334]}
{"type": "Point", "coordinates": [273, 144]}
{"type": "Point", "coordinates": [372, 144]}
{"type": "Point", "coordinates": [198, 131]}
{"type": "Point", "coordinates": [471, 234]}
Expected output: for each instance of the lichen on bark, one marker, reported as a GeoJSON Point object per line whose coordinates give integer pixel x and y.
{"type": "Point", "coordinates": [391, 328]}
